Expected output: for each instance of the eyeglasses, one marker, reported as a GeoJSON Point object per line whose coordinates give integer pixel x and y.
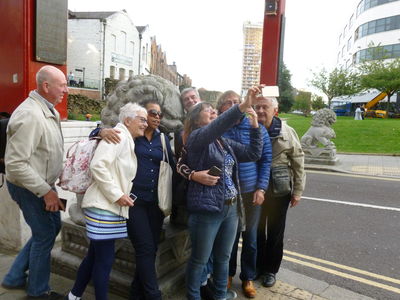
{"type": "Point", "coordinates": [208, 109]}
{"type": "Point", "coordinates": [142, 120]}
{"type": "Point", "coordinates": [154, 113]}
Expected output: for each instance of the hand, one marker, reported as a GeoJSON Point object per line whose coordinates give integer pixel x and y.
{"type": "Point", "coordinates": [125, 200]}
{"type": "Point", "coordinates": [251, 98]}
{"type": "Point", "coordinates": [204, 178]}
{"type": "Point", "coordinates": [52, 202]}
{"type": "Point", "coordinates": [253, 118]}
{"type": "Point", "coordinates": [258, 197]}
{"type": "Point", "coordinates": [110, 135]}
{"type": "Point", "coordinates": [295, 200]}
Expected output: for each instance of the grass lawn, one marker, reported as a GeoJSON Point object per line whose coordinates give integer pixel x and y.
{"type": "Point", "coordinates": [380, 136]}
{"type": "Point", "coordinates": [82, 117]}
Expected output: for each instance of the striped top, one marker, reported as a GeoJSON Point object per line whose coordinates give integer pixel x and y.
{"type": "Point", "coordinates": [104, 225]}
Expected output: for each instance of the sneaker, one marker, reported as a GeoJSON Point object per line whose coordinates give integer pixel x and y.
{"type": "Point", "coordinates": [51, 295]}
{"type": "Point", "coordinates": [206, 292]}
{"type": "Point", "coordinates": [230, 294]}
{"type": "Point", "coordinates": [248, 289]}
{"type": "Point", "coordinates": [269, 280]}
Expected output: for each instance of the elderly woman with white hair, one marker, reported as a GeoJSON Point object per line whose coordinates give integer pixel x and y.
{"type": "Point", "coordinates": [106, 202]}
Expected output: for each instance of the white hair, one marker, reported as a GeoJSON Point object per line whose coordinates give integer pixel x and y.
{"type": "Point", "coordinates": [130, 110]}
{"type": "Point", "coordinates": [274, 101]}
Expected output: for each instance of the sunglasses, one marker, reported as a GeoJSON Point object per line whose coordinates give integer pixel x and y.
{"type": "Point", "coordinates": [154, 113]}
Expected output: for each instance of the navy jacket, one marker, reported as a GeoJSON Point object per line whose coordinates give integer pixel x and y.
{"type": "Point", "coordinates": [204, 152]}
{"type": "Point", "coordinates": [255, 174]}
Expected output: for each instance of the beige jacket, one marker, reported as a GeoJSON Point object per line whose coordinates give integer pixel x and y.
{"type": "Point", "coordinates": [113, 168]}
{"type": "Point", "coordinates": [35, 147]}
{"type": "Point", "coordinates": [286, 150]}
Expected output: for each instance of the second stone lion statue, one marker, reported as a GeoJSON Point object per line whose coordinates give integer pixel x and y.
{"type": "Point", "coordinates": [320, 131]}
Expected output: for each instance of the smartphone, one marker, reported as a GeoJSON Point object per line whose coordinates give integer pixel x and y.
{"type": "Point", "coordinates": [270, 91]}
{"type": "Point", "coordinates": [133, 196]}
{"type": "Point", "coordinates": [64, 202]}
{"type": "Point", "coordinates": [214, 171]}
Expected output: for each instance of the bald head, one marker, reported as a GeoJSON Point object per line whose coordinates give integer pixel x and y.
{"type": "Point", "coordinates": [51, 84]}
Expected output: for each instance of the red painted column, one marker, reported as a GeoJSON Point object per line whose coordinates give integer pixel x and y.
{"type": "Point", "coordinates": [272, 45]}
{"type": "Point", "coordinates": [17, 58]}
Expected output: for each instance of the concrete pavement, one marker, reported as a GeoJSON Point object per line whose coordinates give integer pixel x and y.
{"type": "Point", "coordinates": [290, 285]}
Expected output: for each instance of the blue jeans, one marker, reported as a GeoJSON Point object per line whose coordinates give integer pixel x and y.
{"type": "Point", "coordinates": [35, 256]}
{"type": "Point", "coordinates": [211, 232]}
{"type": "Point", "coordinates": [97, 266]}
{"type": "Point", "coordinates": [249, 246]}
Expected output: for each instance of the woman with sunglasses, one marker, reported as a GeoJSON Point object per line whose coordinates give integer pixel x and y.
{"type": "Point", "coordinates": [146, 219]}
{"type": "Point", "coordinates": [214, 211]}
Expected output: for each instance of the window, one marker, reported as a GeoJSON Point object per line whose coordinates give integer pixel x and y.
{"type": "Point", "coordinates": [386, 52]}
{"type": "Point", "coordinates": [367, 4]}
{"type": "Point", "coordinates": [132, 51]}
{"type": "Point", "coordinates": [343, 51]}
{"type": "Point", "coordinates": [349, 44]}
{"type": "Point", "coordinates": [121, 74]}
{"type": "Point", "coordinates": [351, 21]}
{"type": "Point", "coordinates": [112, 72]}
{"type": "Point", "coordinates": [340, 38]}
{"type": "Point", "coordinates": [376, 26]}
{"type": "Point", "coordinates": [113, 42]}
{"type": "Point", "coordinates": [123, 40]}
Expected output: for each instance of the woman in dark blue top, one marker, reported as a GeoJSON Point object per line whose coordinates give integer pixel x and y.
{"type": "Point", "coordinates": [145, 217]}
{"type": "Point", "coordinates": [215, 210]}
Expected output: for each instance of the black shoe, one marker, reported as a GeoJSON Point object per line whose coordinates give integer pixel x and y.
{"type": "Point", "coordinates": [13, 287]}
{"type": "Point", "coordinates": [206, 291]}
{"type": "Point", "coordinates": [51, 295]}
{"type": "Point", "coordinates": [269, 280]}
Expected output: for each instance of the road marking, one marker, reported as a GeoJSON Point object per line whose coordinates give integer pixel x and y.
{"type": "Point", "coordinates": [344, 275]}
{"type": "Point", "coordinates": [355, 270]}
{"type": "Point", "coordinates": [354, 175]}
{"type": "Point", "coordinates": [352, 203]}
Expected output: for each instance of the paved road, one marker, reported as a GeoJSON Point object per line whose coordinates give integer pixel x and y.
{"type": "Point", "coordinates": [348, 228]}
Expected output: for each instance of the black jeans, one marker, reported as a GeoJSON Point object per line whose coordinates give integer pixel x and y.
{"type": "Point", "coordinates": [144, 228]}
{"type": "Point", "coordinates": [271, 231]}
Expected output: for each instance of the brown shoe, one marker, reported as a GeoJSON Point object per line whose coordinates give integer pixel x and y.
{"type": "Point", "coordinates": [249, 289]}
{"type": "Point", "coordinates": [229, 282]}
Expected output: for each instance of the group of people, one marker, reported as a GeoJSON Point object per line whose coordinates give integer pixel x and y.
{"type": "Point", "coordinates": [243, 167]}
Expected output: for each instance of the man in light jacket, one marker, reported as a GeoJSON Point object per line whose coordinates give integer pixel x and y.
{"type": "Point", "coordinates": [286, 186]}
{"type": "Point", "coordinates": [33, 159]}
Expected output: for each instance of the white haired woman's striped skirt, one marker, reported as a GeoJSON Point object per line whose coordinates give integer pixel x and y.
{"type": "Point", "coordinates": [104, 225]}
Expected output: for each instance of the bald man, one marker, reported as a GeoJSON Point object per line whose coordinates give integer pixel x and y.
{"type": "Point", "coordinates": [33, 159]}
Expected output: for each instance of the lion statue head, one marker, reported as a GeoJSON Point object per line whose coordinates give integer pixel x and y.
{"type": "Point", "coordinates": [140, 88]}
{"type": "Point", "coordinates": [324, 117]}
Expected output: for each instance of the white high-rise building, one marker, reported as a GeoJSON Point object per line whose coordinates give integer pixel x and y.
{"type": "Point", "coordinates": [252, 46]}
{"type": "Point", "coordinates": [373, 22]}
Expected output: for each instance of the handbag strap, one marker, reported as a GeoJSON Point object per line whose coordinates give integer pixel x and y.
{"type": "Point", "coordinates": [164, 146]}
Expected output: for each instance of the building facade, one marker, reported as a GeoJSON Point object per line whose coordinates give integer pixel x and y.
{"type": "Point", "coordinates": [372, 23]}
{"type": "Point", "coordinates": [252, 46]}
{"type": "Point", "coordinates": [101, 45]}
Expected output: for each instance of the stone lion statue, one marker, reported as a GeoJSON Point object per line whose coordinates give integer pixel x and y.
{"type": "Point", "coordinates": [320, 131]}
{"type": "Point", "coordinates": [140, 88]}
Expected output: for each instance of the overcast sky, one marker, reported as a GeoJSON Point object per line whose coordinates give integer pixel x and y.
{"type": "Point", "coordinates": [205, 37]}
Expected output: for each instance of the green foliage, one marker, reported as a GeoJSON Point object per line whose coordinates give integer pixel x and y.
{"type": "Point", "coordinates": [286, 92]}
{"type": "Point", "coordinates": [79, 104]}
{"type": "Point", "coordinates": [381, 74]}
{"type": "Point", "coordinates": [317, 102]}
{"type": "Point", "coordinates": [302, 102]}
{"type": "Point", "coordinates": [338, 82]}
{"type": "Point", "coordinates": [377, 136]}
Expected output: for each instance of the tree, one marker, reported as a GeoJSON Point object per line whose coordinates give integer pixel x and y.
{"type": "Point", "coordinates": [338, 82]}
{"type": "Point", "coordinates": [286, 91]}
{"type": "Point", "coordinates": [302, 102]}
{"type": "Point", "coordinates": [381, 73]}
{"type": "Point", "coordinates": [317, 102]}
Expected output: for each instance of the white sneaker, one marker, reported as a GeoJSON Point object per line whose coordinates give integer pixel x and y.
{"type": "Point", "coordinates": [231, 294]}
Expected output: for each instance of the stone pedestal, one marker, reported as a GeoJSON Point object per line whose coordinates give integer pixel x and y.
{"type": "Point", "coordinates": [173, 252]}
{"type": "Point", "coordinates": [320, 156]}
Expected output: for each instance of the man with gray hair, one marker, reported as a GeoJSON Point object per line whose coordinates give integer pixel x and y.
{"type": "Point", "coordinates": [189, 97]}
{"type": "Point", "coordinates": [286, 186]}
{"type": "Point", "coordinates": [33, 160]}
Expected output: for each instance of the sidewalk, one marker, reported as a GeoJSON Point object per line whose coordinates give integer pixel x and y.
{"type": "Point", "coordinates": [370, 165]}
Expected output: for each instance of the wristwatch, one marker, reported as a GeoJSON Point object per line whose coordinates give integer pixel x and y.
{"type": "Point", "coordinates": [262, 191]}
